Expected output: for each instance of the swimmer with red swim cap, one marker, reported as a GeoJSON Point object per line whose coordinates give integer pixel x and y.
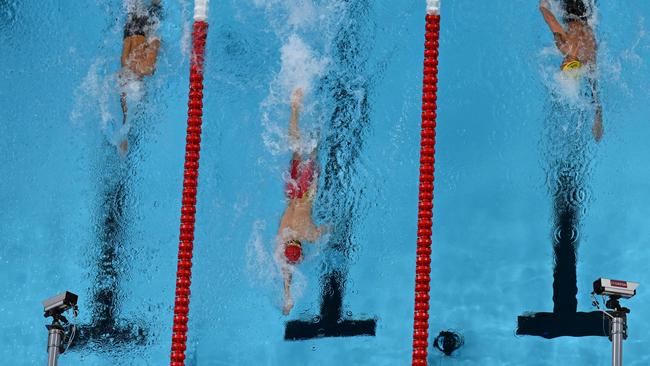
{"type": "Point", "coordinates": [297, 225]}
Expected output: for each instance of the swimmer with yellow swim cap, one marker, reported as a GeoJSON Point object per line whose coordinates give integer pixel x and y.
{"type": "Point", "coordinates": [578, 44]}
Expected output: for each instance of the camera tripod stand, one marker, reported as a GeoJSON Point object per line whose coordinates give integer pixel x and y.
{"type": "Point", "coordinates": [55, 335]}
{"type": "Point", "coordinates": [617, 326]}
{"type": "Point", "coordinates": [617, 329]}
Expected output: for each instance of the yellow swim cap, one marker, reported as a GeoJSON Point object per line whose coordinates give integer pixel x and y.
{"type": "Point", "coordinates": [571, 65]}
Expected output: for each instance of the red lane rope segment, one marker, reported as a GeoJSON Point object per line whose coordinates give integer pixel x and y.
{"type": "Point", "coordinates": [425, 206]}
{"type": "Point", "coordinates": [188, 208]}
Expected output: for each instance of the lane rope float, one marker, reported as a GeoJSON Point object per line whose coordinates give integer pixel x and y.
{"type": "Point", "coordinates": [427, 170]}
{"type": "Point", "coordinates": [190, 180]}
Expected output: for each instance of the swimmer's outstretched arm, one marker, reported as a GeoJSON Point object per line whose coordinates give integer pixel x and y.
{"type": "Point", "coordinates": [126, 50]}
{"type": "Point", "coordinates": [549, 18]}
{"type": "Point", "coordinates": [597, 129]}
{"type": "Point", "coordinates": [294, 131]}
{"type": "Point", "coordinates": [288, 300]}
{"type": "Point", "coordinates": [595, 94]}
{"type": "Point", "coordinates": [125, 109]}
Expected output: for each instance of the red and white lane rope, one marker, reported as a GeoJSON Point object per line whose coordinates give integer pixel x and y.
{"type": "Point", "coordinates": [425, 206]}
{"type": "Point", "coordinates": [190, 178]}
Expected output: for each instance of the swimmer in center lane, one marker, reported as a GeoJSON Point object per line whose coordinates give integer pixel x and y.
{"type": "Point", "coordinates": [139, 53]}
{"type": "Point", "coordinates": [297, 225]}
{"type": "Point", "coordinates": [578, 45]}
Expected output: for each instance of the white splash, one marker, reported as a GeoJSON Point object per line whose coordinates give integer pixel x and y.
{"type": "Point", "coordinates": [300, 66]}
{"type": "Point", "coordinates": [186, 37]}
{"type": "Point", "coordinates": [568, 85]}
{"type": "Point", "coordinates": [260, 265]}
{"type": "Point", "coordinates": [93, 94]}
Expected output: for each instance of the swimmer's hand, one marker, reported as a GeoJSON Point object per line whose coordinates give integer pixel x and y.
{"type": "Point", "coordinates": [597, 128]}
{"type": "Point", "coordinates": [123, 148]}
{"type": "Point", "coordinates": [324, 229]}
{"type": "Point", "coordinates": [288, 305]}
{"type": "Point", "coordinates": [314, 233]}
{"type": "Point", "coordinates": [544, 4]}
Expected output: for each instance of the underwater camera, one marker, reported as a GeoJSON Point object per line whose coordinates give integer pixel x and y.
{"type": "Point", "coordinates": [615, 288]}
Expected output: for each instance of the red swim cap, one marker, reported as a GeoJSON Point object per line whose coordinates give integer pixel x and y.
{"type": "Point", "coordinates": [293, 251]}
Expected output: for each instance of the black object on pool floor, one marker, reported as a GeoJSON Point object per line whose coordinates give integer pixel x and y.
{"type": "Point", "coordinates": [448, 342]}
{"type": "Point", "coordinates": [107, 330]}
{"type": "Point", "coordinates": [330, 323]}
{"type": "Point", "coordinates": [565, 320]}
{"type": "Point", "coordinates": [553, 325]}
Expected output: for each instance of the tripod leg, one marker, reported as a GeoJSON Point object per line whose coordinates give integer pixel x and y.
{"type": "Point", "coordinates": [54, 341]}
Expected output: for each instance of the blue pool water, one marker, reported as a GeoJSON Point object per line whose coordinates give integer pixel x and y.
{"type": "Point", "coordinates": [513, 141]}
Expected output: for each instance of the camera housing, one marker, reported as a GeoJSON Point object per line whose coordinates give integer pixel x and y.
{"type": "Point", "coordinates": [615, 288]}
{"type": "Point", "coordinates": [59, 304]}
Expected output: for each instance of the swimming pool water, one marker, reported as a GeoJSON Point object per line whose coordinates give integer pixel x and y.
{"type": "Point", "coordinates": [78, 217]}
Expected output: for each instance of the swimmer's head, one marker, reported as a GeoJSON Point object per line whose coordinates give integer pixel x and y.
{"type": "Point", "coordinates": [570, 63]}
{"type": "Point", "coordinates": [293, 251]}
{"type": "Point", "coordinates": [576, 10]}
